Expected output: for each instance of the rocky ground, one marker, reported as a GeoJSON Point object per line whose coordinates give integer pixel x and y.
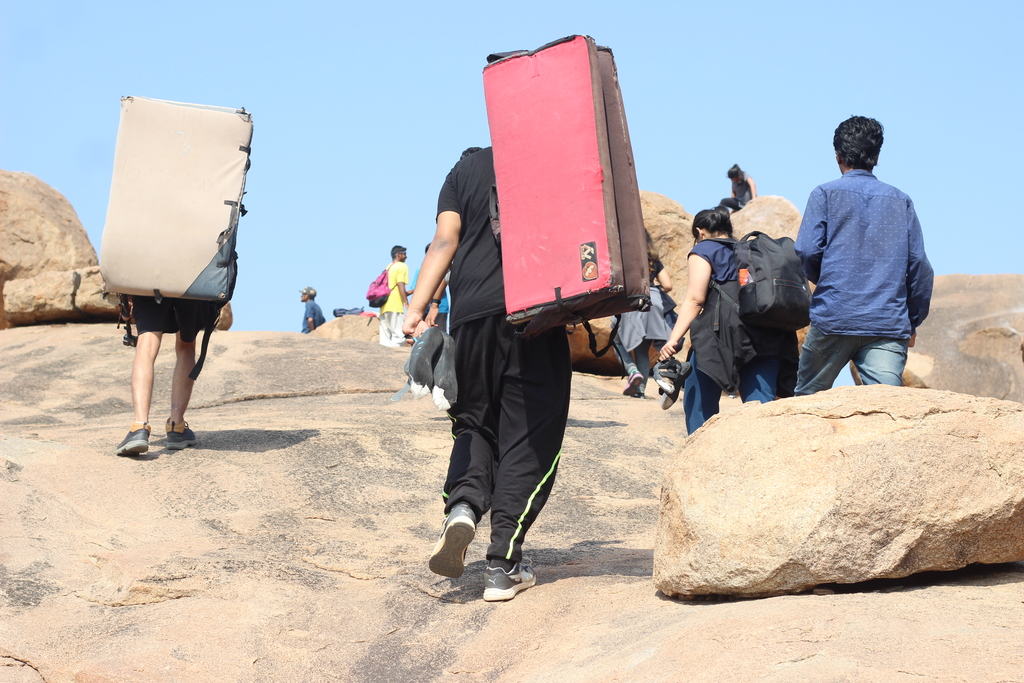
{"type": "Point", "coordinates": [292, 544]}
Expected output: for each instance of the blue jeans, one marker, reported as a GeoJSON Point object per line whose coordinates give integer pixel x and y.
{"type": "Point", "coordinates": [879, 360]}
{"type": "Point", "coordinates": [701, 394]}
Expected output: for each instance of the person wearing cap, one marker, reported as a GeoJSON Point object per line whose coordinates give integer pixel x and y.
{"type": "Point", "coordinates": [392, 313]}
{"type": "Point", "coordinates": [313, 317]}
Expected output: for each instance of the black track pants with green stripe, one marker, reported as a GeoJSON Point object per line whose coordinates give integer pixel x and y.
{"type": "Point", "coordinates": [508, 426]}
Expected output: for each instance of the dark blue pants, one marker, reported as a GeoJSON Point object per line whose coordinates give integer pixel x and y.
{"type": "Point", "coordinates": [701, 394]}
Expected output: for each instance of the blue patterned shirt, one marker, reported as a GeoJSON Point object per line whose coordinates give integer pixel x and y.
{"type": "Point", "coordinates": [861, 244]}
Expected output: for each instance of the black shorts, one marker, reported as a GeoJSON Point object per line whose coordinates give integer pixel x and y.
{"type": "Point", "coordinates": [185, 316]}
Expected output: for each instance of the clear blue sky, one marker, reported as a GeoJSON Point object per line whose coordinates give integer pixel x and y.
{"type": "Point", "coordinates": [361, 109]}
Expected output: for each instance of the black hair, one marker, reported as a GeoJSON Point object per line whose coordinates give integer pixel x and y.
{"type": "Point", "coordinates": [652, 251]}
{"type": "Point", "coordinates": [714, 221]}
{"type": "Point", "coordinates": [857, 141]}
{"type": "Point", "coordinates": [395, 250]}
{"type": "Point", "coordinates": [469, 150]}
{"type": "Point", "coordinates": [734, 172]}
{"type": "Point", "coordinates": [428, 247]}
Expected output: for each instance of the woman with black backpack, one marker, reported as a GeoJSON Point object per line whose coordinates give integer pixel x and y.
{"type": "Point", "coordinates": [758, 363]}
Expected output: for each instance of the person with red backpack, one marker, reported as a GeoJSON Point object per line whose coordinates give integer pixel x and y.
{"type": "Point", "coordinates": [392, 313]}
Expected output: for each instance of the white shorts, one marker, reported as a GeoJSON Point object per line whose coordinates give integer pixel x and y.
{"type": "Point", "coordinates": [391, 329]}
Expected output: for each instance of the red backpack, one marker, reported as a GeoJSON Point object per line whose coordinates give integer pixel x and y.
{"type": "Point", "coordinates": [379, 292]}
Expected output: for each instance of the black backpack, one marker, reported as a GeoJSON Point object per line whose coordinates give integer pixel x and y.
{"type": "Point", "coordinates": [776, 293]}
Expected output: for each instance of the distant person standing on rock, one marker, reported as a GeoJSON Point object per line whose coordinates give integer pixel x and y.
{"type": "Point", "coordinates": [313, 317]}
{"type": "Point", "coordinates": [861, 244]}
{"type": "Point", "coordinates": [513, 398]}
{"type": "Point", "coordinates": [743, 189]}
{"type": "Point", "coordinates": [183, 318]}
{"type": "Point", "coordinates": [392, 313]}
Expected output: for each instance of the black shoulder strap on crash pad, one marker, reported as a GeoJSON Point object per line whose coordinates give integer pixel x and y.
{"type": "Point", "coordinates": [211, 325]}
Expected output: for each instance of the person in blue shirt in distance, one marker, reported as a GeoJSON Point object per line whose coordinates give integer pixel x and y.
{"type": "Point", "coordinates": [313, 317]}
{"type": "Point", "coordinates": [861, 243]}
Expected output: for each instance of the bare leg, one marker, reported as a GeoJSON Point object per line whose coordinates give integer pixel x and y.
{"type": "Point", "coordinates": [146, 351]}
{"type": "Point", "coordinates": [181, 384]}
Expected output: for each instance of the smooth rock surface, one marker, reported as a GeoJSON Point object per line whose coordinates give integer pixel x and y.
{"type": "Point", "coordinates": [292, 543]}
{"type": "Point", "coordinates": [844, 486]}
{"type": "Point", "coordinates": [972, 341]}
{"type": "Point", "coordinates": [59, 296]}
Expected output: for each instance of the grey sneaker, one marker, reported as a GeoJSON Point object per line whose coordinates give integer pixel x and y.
{"type": "Point", "coordinates": [179, 436]}
{"type": "Point", "coordinates": [135, 443]}
{"type": "Point", "coordinates": [501, 585]}
{"type": "Point", "coordinates": [449, 556]}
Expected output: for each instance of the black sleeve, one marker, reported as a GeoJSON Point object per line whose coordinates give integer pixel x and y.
{"type": "Point", "coordinates": [448, 199]}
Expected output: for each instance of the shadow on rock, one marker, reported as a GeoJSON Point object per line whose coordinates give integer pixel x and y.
{"type": "Point", "coordinates": [594, 424]}
{"type": "Point", "coordinates": [975, 575]}
{"type": "Point", "coordinates": [255, 440]}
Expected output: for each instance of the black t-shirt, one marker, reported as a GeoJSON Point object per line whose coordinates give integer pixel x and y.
{"type": "Point", "coordinates": [477, 283]}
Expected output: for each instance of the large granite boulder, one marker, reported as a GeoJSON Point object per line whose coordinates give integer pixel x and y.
{"type": "Point", "coordinates": [971, 341]}
{"type": "Point", "coordinates": [39, 231]}
{"type": "Point", "coordinates": [770, 214]}
{"type": "Point", "coordinates": [843, 486]}
{"type": "Point", "coordinates": [360, 327]}
{"type": "Point", "coordinates": [59, 296]}
{"type": "Point", "coordinates": [671, 230]}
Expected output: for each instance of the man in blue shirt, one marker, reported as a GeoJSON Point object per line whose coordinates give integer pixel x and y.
{"type": "Point", "coordinates": [861, 244]}
{"type": "Point", "coordinates": [313, 317]}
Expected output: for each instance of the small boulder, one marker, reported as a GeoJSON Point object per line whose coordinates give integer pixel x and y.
{"type": "Point", "coordinates": [361, 327]}
{"type": "Point", "coordinates": [844, 486]}
{"type": "Point", "coordinates": [226, 317]}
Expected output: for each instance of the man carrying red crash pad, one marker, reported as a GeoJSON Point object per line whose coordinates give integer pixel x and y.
{"type": "Point", "coordinates": [513, 401]}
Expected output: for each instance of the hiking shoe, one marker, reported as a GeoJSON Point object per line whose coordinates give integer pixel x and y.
{"type": "Point", "coordinates": [670, 375]}
{"type": "Point", "coordinates": [501, 585]}
{"type": "Point", "coordinates": [449, 556]}
{"type": "Point", "coordinates": [665, 373]}
{"type": "Point", "coordinates": [633, 383]}
{"type": "Point", "coordinates": [179, 436]}
{"type": "Point", "coordinates": [137, 440]}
